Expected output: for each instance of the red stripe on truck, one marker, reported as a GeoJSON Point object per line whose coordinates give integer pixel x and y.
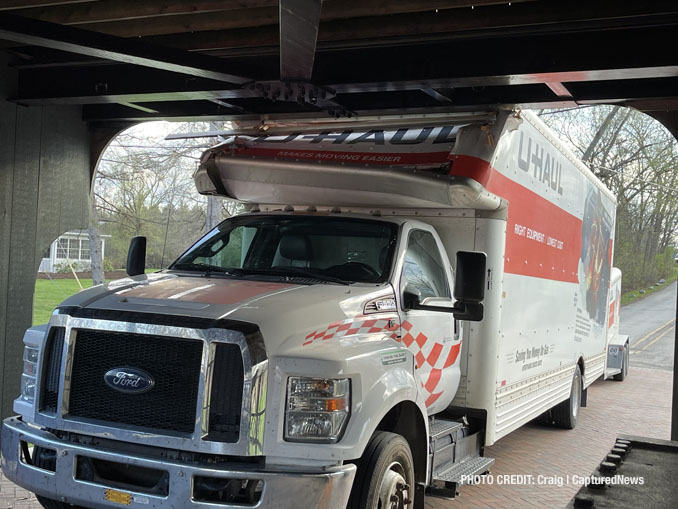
{"type": "Point", "coordinates": [472, 167]}
{"type": "Point", "coordinates": [542, 240]}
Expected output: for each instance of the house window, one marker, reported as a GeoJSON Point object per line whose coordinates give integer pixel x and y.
{"type": "Point", "coordinates": [84, 249]}
{"type": "Point", "coordinates": [62, 248]}
{"type": "Point", "coordinates": [74, 249]}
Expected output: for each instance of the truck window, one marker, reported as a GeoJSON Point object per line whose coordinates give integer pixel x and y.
{"type": "Point", "coordinates": [230, 251]}
{"type": "Point", "coordinates": [423, 268]}
{"type": "Point", "coordinates": [348, 249]}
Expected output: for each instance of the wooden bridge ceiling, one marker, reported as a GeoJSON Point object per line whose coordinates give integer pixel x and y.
{"type": "Point", "coordinates": [132, 60]}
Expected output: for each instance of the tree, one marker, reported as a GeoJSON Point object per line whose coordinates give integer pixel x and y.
{"type": "Point", "coordinates": [636, 158]}
{"type": "Point", "coordinates": [95, 251]}
{"type": "Point", "coordinates": [144, 186]}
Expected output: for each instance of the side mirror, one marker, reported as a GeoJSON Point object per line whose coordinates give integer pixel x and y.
{"type": "Point", "coordinates": [136, 256]}
{"type": "Point", "coordinates": [469, 285]}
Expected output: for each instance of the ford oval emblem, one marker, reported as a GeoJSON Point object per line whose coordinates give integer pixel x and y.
{"type": "Point", "coordinates": [129, 380]}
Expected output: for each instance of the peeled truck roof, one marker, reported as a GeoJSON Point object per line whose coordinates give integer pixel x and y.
{"type": "Point", "coordinates": [406, 167]}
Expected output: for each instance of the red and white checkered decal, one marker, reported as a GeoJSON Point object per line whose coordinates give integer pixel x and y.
{"type": "Point", "coordinates": [353, 326]}
{"type": "Point", "coordinates": [431, 358]}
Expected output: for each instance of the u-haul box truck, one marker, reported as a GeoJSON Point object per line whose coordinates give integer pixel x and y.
{"type": "Point", "coordinates": [393, 302]}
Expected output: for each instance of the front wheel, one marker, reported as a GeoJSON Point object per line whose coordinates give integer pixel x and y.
{"type": "Point", "coordinates": [565, 414]}
{"type": "Point", "coordinates": [385, 476]}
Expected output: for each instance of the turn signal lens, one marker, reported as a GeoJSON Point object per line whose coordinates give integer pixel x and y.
{"type": "Point", "coordinates": [317, 409]}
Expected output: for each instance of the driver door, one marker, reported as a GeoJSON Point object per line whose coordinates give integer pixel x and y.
{"type": "Point", "coordinates": [431, 336]}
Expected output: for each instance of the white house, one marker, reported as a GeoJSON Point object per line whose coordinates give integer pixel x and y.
{"type": "Point", "coordinates": [73, 247]}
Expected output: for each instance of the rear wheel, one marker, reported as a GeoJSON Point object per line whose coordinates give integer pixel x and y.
{"type": "Point", "coordinates": [625, 365]}
{"type": "Point", "coordinates": [385, 476]}
{"type": "Point", "coordinates": [565, 414]}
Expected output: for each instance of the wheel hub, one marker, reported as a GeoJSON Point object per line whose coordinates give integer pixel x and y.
{"type": "Point", "coordinates": [394, 492]}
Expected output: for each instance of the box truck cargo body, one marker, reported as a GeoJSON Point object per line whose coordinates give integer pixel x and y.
{"type": "Point", "coordinates": [412, 294]}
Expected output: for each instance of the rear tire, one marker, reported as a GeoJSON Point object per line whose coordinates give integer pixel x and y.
{"type": "Point", "coordinates": [565, 414]}
{"type": "Point", "coordinates": [385, 475]}
{"type": "Point", "coordinates": [625, 366]}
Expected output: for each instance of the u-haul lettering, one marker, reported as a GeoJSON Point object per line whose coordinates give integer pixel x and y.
{"type": "Point", "coordinates": [377, 137]}
{"type": "Point", "coordinates": [544, 165]}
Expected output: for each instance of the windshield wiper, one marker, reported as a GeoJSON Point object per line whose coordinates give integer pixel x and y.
{"type": "Point", "coordinates": [301, 272]}
{"type": "Point", "coordinates": [207, 268]}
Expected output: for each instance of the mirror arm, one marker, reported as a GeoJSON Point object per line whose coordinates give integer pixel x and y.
{"type": "Point", "coordinates": [441, 309]}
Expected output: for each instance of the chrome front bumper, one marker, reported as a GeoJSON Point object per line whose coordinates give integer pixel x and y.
{"type": "Point", "coordinates": [326, 489]}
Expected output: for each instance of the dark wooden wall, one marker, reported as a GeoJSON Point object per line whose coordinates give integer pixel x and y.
{"type": "Point", "coordinates": [44, 191]}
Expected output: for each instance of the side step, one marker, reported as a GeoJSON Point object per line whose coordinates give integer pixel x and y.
{"type": "Point", "coordinates": [446, 484]}
{"type": "Point", "coordinates": [461, 473]}
{"type": "Point", "coordinates": [456, 456]}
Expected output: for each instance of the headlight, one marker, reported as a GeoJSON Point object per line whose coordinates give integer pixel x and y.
{"type": "Point", "coordinates": [317, 409]}
{"type": "Point", "coordinates": [28, 377]}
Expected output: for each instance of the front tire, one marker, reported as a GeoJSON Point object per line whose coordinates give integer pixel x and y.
{"type": "Point", "coordinates": [385, 476]}
{"type": "Point", "coordinates": [565, 414]}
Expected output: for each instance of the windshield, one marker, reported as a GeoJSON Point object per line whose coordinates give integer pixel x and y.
{"type": "Point", "coordinates": [323, 248]}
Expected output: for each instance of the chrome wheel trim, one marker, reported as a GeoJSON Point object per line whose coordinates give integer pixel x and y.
{"type": "Point", "coordinates": [394, 492]}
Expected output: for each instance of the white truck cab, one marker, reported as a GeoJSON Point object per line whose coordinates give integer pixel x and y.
{"type": "Point", "coordinates": [393, 302]}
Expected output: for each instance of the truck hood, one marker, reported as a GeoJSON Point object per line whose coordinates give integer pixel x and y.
{"type": "Point", "coordinates": [285, 313]}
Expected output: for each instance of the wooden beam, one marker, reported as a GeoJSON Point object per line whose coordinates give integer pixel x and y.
{"type": "Point", "coordinates": [73, 40]}
{"type": "Point", "coordinates": [107, 11]}
{"type": "Point", "coordinates": [537, 17]}
{"type": "Point", "coordinates": [189, 23]}
{"type": "Point", "coordinates": [130, 19]}
{"type": "Point", "coordinates": [6, 5]}
{"type": "Point", "coordinates": [102, 12]}
{"type": "Point", "coordinates": [299, 20]}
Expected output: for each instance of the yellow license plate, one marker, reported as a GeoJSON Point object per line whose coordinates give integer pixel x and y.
{"type": "Point", "coordinates": [118, 497]}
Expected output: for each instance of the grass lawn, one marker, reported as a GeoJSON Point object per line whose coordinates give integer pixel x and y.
{"type": "Point", "coordinates": [634, 295]}
{"type": "Point", "coordinates": [50, 293]}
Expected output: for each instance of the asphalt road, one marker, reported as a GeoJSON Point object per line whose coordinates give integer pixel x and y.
{"type": "Point", "coordinates": [650, 324]}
